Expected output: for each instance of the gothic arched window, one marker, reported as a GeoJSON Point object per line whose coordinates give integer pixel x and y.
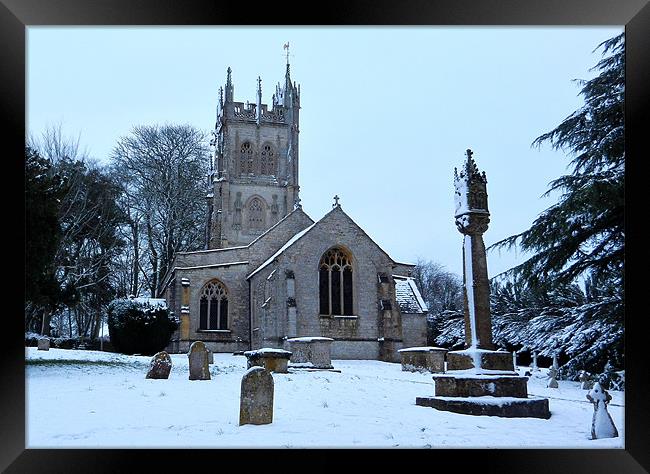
{"type": "Point", "coordinates": [335, 283]}
{"type": "Point", "coordinates": [246, 158]}
{"type": "Point", "coordinates": [267, 160]}
{"type": "Point", "coordinates": [213, 307]}
{"type": "Point", "coordinates": [256, 214]}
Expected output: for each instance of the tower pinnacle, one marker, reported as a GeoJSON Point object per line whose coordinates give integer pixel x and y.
{"type": "Point", "coordinates": [258, 111]}
{"type": "Point", "coordinates": [229, 87]}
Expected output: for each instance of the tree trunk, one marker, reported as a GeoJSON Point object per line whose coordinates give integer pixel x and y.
{"type": "Point", "coordinates": [136, 259]}
{"type": "Point", "coordinates": [153, 284]}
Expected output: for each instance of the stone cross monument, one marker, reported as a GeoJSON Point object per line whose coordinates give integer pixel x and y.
{"type": "Point", "coordinates": [472, 218]}
{"type": "Point", "coordinates": [479, 379]}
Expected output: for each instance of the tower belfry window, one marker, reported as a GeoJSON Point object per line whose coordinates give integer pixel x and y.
{"type": "Point", "coordinates": [246, 158]}
{"type": "Point", "coordinates": [267, 160]}
{"type": "Point", "coordinates": [335, 283]}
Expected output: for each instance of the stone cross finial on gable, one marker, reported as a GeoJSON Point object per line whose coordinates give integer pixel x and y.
{"type": "Point", "coordinates": [336, 201]}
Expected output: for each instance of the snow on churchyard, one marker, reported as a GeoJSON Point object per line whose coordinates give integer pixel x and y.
{"type": "Point", "coordinates": [90, 399]}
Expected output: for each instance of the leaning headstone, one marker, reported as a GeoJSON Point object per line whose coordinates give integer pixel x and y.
{"type": "Point", "coordinates": [198, 356]}
{"type": "Point", "coordinates": [602, 425]}
{"type": "Point", "coordinates": [552, 381]}
{"type": "Point", "coordinates": [161, 365]}
{"type": "Point", "coordinates": [44, 344]}
{"type": "Point", "coordinates": [256, 400]}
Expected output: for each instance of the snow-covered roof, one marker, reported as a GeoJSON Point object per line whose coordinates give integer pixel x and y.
{"type": "Point", "coordinates": [289, 243]}
{"type": "Point", "coordinates": [423, 349]}
{"type": "Point", "coordinates": [271, 351]}
{"type": "Point", "coordinates": [213, 265]}
{"type": "Point", "coordinates": [309, 339]}
{"type": "Point", "coordinates": [408, 296]}
{"type": "Point", "coordinates": [297, 236]}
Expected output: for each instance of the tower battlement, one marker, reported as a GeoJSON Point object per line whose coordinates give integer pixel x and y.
{"type": "Point", "coordinates": [248, 111]}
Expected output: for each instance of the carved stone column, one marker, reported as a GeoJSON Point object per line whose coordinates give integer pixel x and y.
{"type": "Point", "coordinates": [478, 376]}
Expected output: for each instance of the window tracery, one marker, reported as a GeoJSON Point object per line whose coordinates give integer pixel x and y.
{"type": "Point", "coordinates": [335, 283]}
{"type": "Point", "coordinates": [213, 312]}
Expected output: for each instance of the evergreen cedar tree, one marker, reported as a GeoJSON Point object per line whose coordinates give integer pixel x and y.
{"type": "Point", "coordinates": [583, 234]}
{"type": "Point", "coordinates": [44, 191]}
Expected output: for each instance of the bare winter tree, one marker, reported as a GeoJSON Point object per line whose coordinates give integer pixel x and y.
{"type": "Point", "coordinates": [55, 146]}
{"type": "Point", "coordinates": [441, 289]}
{"type": "Point", "coordinates": [162, 169]}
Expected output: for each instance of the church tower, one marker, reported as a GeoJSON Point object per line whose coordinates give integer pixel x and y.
{"type": "Point", "coordinates": [254, 175]}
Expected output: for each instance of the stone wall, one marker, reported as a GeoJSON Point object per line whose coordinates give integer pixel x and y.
{"type": "Point", "coordinates": [237, 338]}
{"type": "Point", "coordinates": [414, 330]}
{"type": "Point", "coordinates": [356, 335]}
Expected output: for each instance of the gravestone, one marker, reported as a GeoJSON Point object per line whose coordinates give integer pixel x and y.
{"type": "Point", "coordinates": [256, 399]}
{"type": "Point", "coordinates": [535, 366]}
{"type": "Point", "coordinates": [586, 380]}
{"type": "Point", "coordinates": [44, 344]}
{"type": "Point", "coordinates": [198, 358]}
{"type": "Point", "coordinates": [210, 356]}
{"type": "Point", "coordinates": [552, 381]}
{"type": "Point", "coordinates": [602, 425]}
{"type": "Point", "coordinates": [161, 365]}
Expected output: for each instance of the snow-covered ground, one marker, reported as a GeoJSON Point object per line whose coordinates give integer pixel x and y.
{"type": "Point", "coordinates": [79, 399]}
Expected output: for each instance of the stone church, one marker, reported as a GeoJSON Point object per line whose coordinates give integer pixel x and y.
{"type": "Point", "coordinates": [269, 271]}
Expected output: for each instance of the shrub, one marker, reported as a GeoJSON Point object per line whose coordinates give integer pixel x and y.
{"type": "Point", "coordinates": [31, 339]}
{"type": "Point", "coordinates": [64, 342]}
{"type": "Point", "coordinates": [140, 325]}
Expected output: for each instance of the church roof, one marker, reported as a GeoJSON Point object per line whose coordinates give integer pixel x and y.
{"type": "Point", "coordinates": [303, 232]}
{"type": "Point", "coordinates": [289, 243]}
{"type": "Point", "coordinates": [408, 296]}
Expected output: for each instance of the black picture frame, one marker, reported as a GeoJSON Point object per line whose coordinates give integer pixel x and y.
{"type": "Point", "coordinates": [16, 15]}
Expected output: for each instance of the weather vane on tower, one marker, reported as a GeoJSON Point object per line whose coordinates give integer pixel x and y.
{"type": "Point", "coordinates": [286, 46]}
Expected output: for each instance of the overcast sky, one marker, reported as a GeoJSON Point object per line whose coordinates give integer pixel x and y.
{"type": "Point", "coordinates": [387, 113]}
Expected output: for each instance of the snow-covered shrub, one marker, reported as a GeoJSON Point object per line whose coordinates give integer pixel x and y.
{"type": "Point", "coordinates": [64, 342]}
{"type": "Point", "coordinates": [140, 325]}
{"type": "Point", "coordinates": [31, 339]}
{"type": "Point", "coordinates": [446, 329]}
{"type": "Point", "coordinates": [586, 336]}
